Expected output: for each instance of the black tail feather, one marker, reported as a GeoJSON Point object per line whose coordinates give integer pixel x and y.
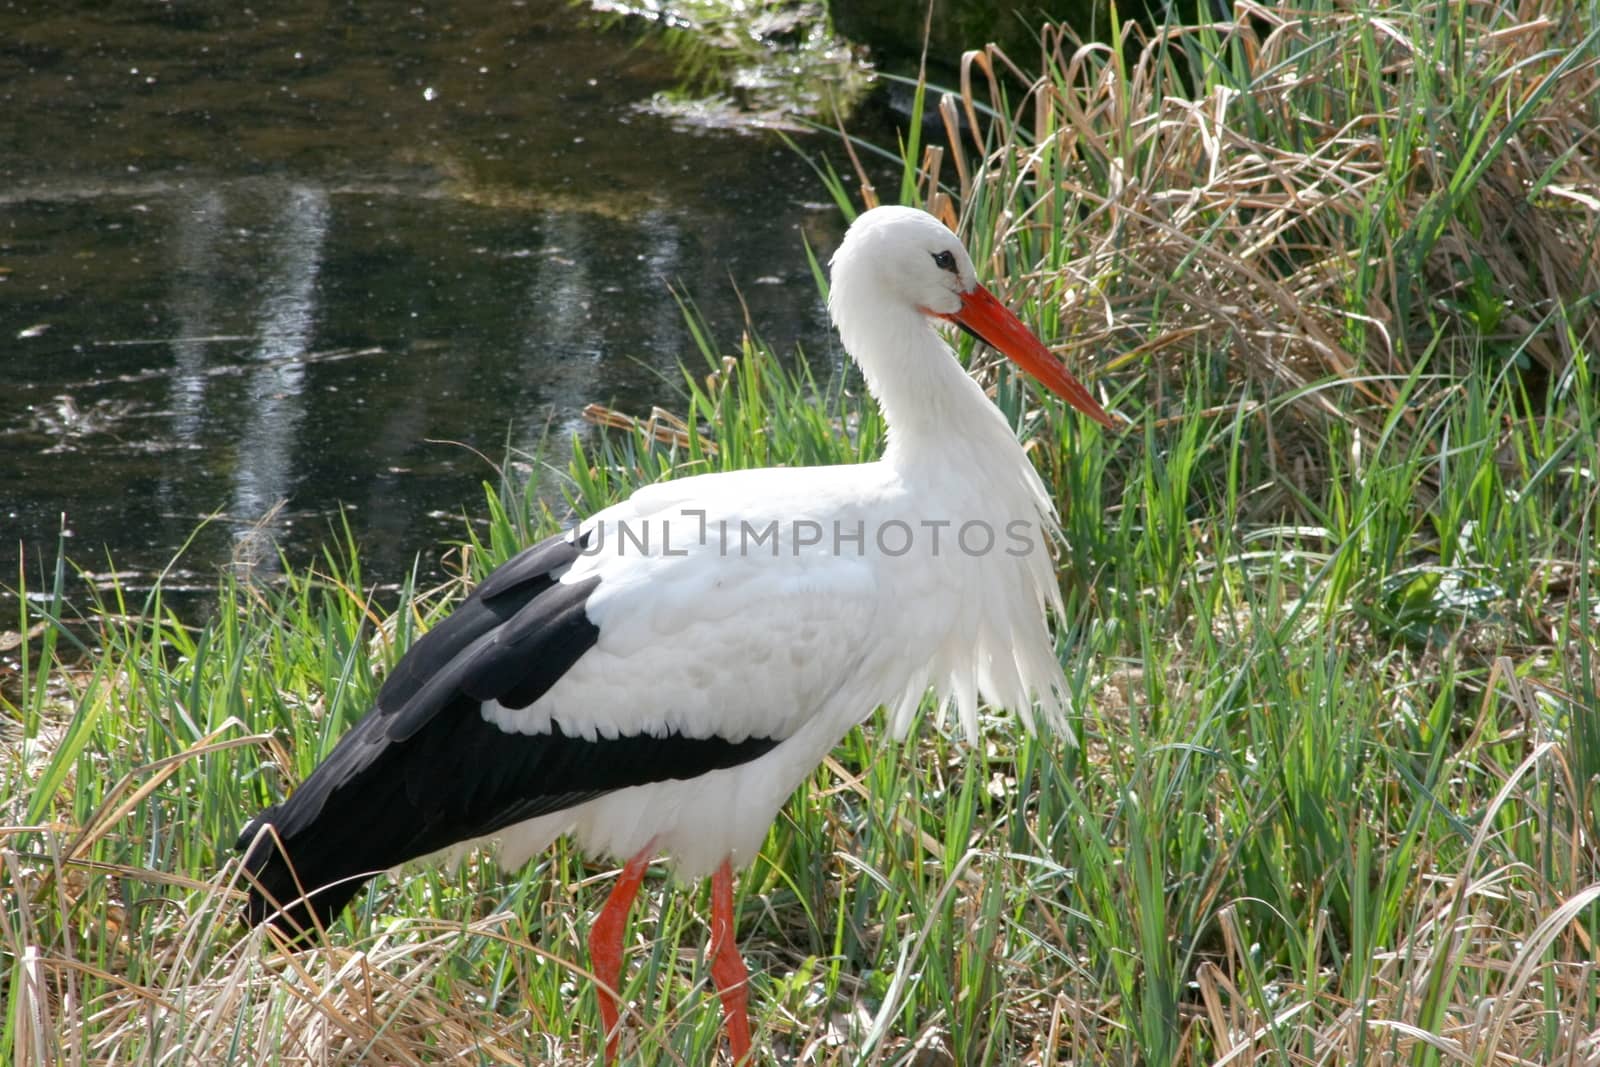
{"type": "Point", "coordinates": [298, 898]}
{"type": "Point", "coordinates": [425, 770]}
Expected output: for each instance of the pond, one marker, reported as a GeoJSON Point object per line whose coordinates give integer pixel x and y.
{"type": "Point", "coordinates": [268, 267]}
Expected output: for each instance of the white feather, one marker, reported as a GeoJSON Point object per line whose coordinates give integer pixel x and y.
{"type": "Point", "coordinates": [708, 636]}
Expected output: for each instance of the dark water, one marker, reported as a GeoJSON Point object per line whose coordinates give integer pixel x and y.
{"type": "Point", "coordinates": [269, 266]}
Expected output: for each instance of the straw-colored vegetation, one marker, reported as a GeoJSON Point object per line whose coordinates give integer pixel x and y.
{"type": "Point", "coordinates": [1332, 606]}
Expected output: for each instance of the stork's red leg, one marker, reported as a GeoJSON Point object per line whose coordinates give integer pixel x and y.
{"type": "Point", "coordinates": [727, 967]}
{"type": "Point", "coordinates": [605, 944]}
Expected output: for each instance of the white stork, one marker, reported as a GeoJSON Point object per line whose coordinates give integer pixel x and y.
{"type": "Point", "coordinates": [658, 679]}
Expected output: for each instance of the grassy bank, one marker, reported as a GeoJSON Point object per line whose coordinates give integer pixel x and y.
{"type": "Point", "coordinates": [1332, 603]}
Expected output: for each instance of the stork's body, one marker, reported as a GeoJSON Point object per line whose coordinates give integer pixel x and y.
{"type": "Point", "coordinates": [659, 679]}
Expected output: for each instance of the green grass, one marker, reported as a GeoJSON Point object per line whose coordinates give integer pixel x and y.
{"type": "Point", "coordinates": [1331, 612]}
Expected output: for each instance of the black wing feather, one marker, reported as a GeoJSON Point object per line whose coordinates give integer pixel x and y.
{"type": "Point", "coordinates": [516, 586]}
{"type": "Point", "coordinates": [424, 770]}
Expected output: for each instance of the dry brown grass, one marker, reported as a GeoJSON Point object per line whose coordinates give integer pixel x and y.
{"type": "Point", "coordinates": [1350, 200]}
{"type": "Point", "coordinates": [1325, 210]}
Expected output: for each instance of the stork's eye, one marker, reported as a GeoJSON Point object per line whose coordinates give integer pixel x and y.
{"type": "Point", "coordinates": [945, 261]}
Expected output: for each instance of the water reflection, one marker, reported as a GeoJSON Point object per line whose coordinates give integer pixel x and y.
{"type": "Point", "coordinates": [265, 466]}
{"type": "Point", "coordinates": [559, 303]}
{"type": "Point", "coordinates": [269, 279]}
{"type": "Point", "coordinates": [197, 226]}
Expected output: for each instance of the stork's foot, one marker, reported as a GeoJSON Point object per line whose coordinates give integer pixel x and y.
{"type": "Point", "coordinates": [727, 966]}
{"type": "Point", "coordinates": [605, 945]}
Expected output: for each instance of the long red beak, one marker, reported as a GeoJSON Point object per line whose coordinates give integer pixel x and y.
{"type": "Point", "coordinates": [992, 322]}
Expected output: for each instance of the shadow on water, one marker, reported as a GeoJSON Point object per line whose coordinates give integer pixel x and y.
{"type": "Point", "coordinates": [269, 266]}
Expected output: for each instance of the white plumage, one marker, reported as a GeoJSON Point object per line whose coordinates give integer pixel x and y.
{"type": "Point", "coordinates": [733, 625]}
{"type": "Point", "coordinates": [731, 640]}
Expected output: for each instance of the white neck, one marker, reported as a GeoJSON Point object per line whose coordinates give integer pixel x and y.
{"type": "Point", "coordinates": [948, 440]}
{"type": "Point", "coordinates": [940, 421]}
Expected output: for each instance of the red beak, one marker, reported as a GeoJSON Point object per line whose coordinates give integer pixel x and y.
{"type": "Point", "coordinates": [989, 320]}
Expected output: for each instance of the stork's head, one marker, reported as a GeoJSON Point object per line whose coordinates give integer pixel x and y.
{"type": "Point", "coordinates": [902, 259]}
